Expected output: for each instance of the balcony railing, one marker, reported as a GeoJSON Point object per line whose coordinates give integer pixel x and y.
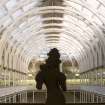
{"type": "Point", "coordinates": [76, 94]}
{"type": "Point", "coordinates": [39, 97]}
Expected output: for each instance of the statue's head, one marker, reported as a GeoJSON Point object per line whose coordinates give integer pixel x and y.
{"type": "Point", "coordinates": [53, 60]}
{"type": "Point", "coordinates": [54, 53]}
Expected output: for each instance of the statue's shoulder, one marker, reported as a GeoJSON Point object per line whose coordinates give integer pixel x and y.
{"type": "Point", "coordinates": [39, 75]}
{"type": "Point", "coordinates": [62, 76]}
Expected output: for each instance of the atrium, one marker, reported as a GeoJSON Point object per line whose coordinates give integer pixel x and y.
{"type": "Point", "coordinates": [29, 29]}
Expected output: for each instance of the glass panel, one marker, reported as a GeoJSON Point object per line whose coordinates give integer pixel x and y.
{"type": "Point", "coordinates": [29, 6]}
{"type": "Point", "coordinates": [7, 22]}
{"type": "Point", "coordinates": [74, 5]}
{"type": "Point", "coordinates": [89, 30]}
{"type": "Point", "coordinates": [96, 20]}
{"type": "Point", "coordinates": [87, 13]}
{"type": "Point", "coordinates": [102, 17]}
{"type": "Point", "coordinates": [15, 31]}
{"type": "Point", "coordinates": [82, 24]}
{"type": "Point", "coordinates": [3, 12]}
{"type": "Point", "coordinates": [17, 13]}
{"type": "Point", "coordinates": [35, 19]}
{"type": "Point", "coordinates": [102, 10]}
{"type": "Point", "coordinates": [70, 18]}
{"type": "Point", "coordinates": [93, 3]}
{"type": "Point", "coordinates": [10, 4]}
{"type": "Point", "coordinates": [22, 24]}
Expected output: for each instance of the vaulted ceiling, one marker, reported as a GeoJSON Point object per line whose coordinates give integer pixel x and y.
{"type": "Point", "coordinates": [30, 28]}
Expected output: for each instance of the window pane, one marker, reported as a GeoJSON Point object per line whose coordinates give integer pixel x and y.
{"type": "Point", "coordinates": [93, 3]}
{"type": "Point", "coordinates": [102, 10]}
{"type": "Point", "coordinates": [3, 12]}
{"type": "Point", "coordinates": [10, 4]}
{"type": "Point", "coordinates": [7, 22]}
{"type": "Point", "coordinates": [87, 13]}
{"type": "Point", "coordinates": [29, 6]}
{"type": "Point", "coordinates": [17, 13]}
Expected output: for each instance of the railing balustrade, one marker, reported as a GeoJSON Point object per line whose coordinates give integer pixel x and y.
{"type": "Point", "coordinates": [71, 96]}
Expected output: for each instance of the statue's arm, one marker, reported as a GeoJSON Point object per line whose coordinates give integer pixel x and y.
{"type": "Point", "coordinates": [39, 85]}
{"type": "Point", "coordinates": [63, 82]}
{"type": "Point", "coordinates": [39, 81]}
{"type": "Point", "coordinates": [63, 85]}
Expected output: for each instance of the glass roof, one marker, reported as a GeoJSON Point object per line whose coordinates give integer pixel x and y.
{"type": "Point", "coordinates": [75, 27]}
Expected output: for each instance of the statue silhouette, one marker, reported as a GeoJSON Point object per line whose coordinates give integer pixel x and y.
{"type": "Point", "coordinates": [54, 80]}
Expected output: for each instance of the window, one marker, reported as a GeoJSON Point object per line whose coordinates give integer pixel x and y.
{"type": "Point", "coordinates": [97, 21]}
{"type": "Point", "coordinates": [93, 3]}
{"type": "Point", "coordinates": [87, 14]}
{"type": "Point", "coordinates": [29, 6]}
{"type": "Point", "coordinates": [10, 4]}
{"type": "Point", "coordinates": [17, 13]}
{"type": "Point", "coordinates": [3, 12]}
{"type": "Point", "coordinates": [101, 10]}
{"type": "Point", "coordinates": [74, 5]}
{"type": "Point", "coordinates": [7, 22]}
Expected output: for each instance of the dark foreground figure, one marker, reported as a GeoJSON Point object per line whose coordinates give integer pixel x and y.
{"type": "Point", "coordinates": [54, 80]}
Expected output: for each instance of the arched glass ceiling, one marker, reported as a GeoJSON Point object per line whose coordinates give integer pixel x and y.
{"type": "Point", "coordinates": [30, 27]}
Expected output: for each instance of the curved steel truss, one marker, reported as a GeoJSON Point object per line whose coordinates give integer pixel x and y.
{"type": "Point", "coordinates": [30, 28]}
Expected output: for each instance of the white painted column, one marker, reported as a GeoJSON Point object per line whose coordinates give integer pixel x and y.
{"type": "Point", "coordinates": [13, 78]}
{"type": "Point", "coordinates": [93, 97]}
{"type": "Point", "coordinates": [61, 64]}
{"type": "Point", "coordinates": [9, 78]}
{"type": "Point", "coordinates": [26, 96]}
{"type": "Point", "coordinates": [5, 77]}
{"type": "Point", "coordinates": [14, 98]}
{"type": "Point", "coordinates": [9, 99]}
{"type": "Point", "coordinates": [86, 96]}
{"type": "Point", "coordinates": [101, 99]}
{"type": "Point", "coordinates": [74, 97]}
{"type": "Point", "coordinates": [101, 77]}
{"type": "Point", "coordinates": [5, 99]}
{"type": "Point", "coordinates": [33, 97]}
{"type": "Point", "coordinates": [97, 99]}
{"type": "Point", "coordinates": [20, 98]}
{"type": "Point", "coordinates": [18, 79]}
{"type": "Point", "coordinates": [80, 95]}
{"type": "Point", "coordinates": [96, 77]}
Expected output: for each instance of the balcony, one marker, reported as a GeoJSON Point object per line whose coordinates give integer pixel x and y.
{"type": "Point", "coordinates": [26, 95]}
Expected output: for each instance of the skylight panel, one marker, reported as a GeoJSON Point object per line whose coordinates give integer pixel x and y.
{"type": "Point", "coordinates": [96, 20]}
{"type": "Point", "coordinates": [15, 31]}
{"type": "Point", "coordinates": [70, 18]}
{"type": "Point", "coordinates": [17, 13]}
{"type": "Point", "coordinates": [72, 26]}
{"type": "Point", "coordinates": [10, 4]}
{"type": "Point", "coordinates": [80, 30]}
{"type": "Point", "coordinates": [89, 30]}
{"type": "Point", "coordinates": [35, 19]}
{"type": "Point", "coordinates": [22, 27]}
{"type": "Point", "coordinates": [87, 13]}
{"type": "Point", "coordinates": [102, 18]}
{"type": "Point", "coordinates": [74, 5]}
{"type": "Point", "coordinates": [7, 22]}
{"type": "Point", "coordinates": [26, 30]}
{"type": "Point", "coordinates": [93, 3]}
{"type": "Point", "coordinates": [101, 10]}
{"type": "Point", "coordinates": [82, 24]}
{"type": "Point", "coordinates": [3, 12]}
{"type": "Point", "coordinates": [22, 24]}
{"type": "Point", "coordinates": [29, 6]}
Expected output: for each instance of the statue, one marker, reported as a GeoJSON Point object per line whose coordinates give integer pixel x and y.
{"type": "Point", "coordinates": [54, 80]}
